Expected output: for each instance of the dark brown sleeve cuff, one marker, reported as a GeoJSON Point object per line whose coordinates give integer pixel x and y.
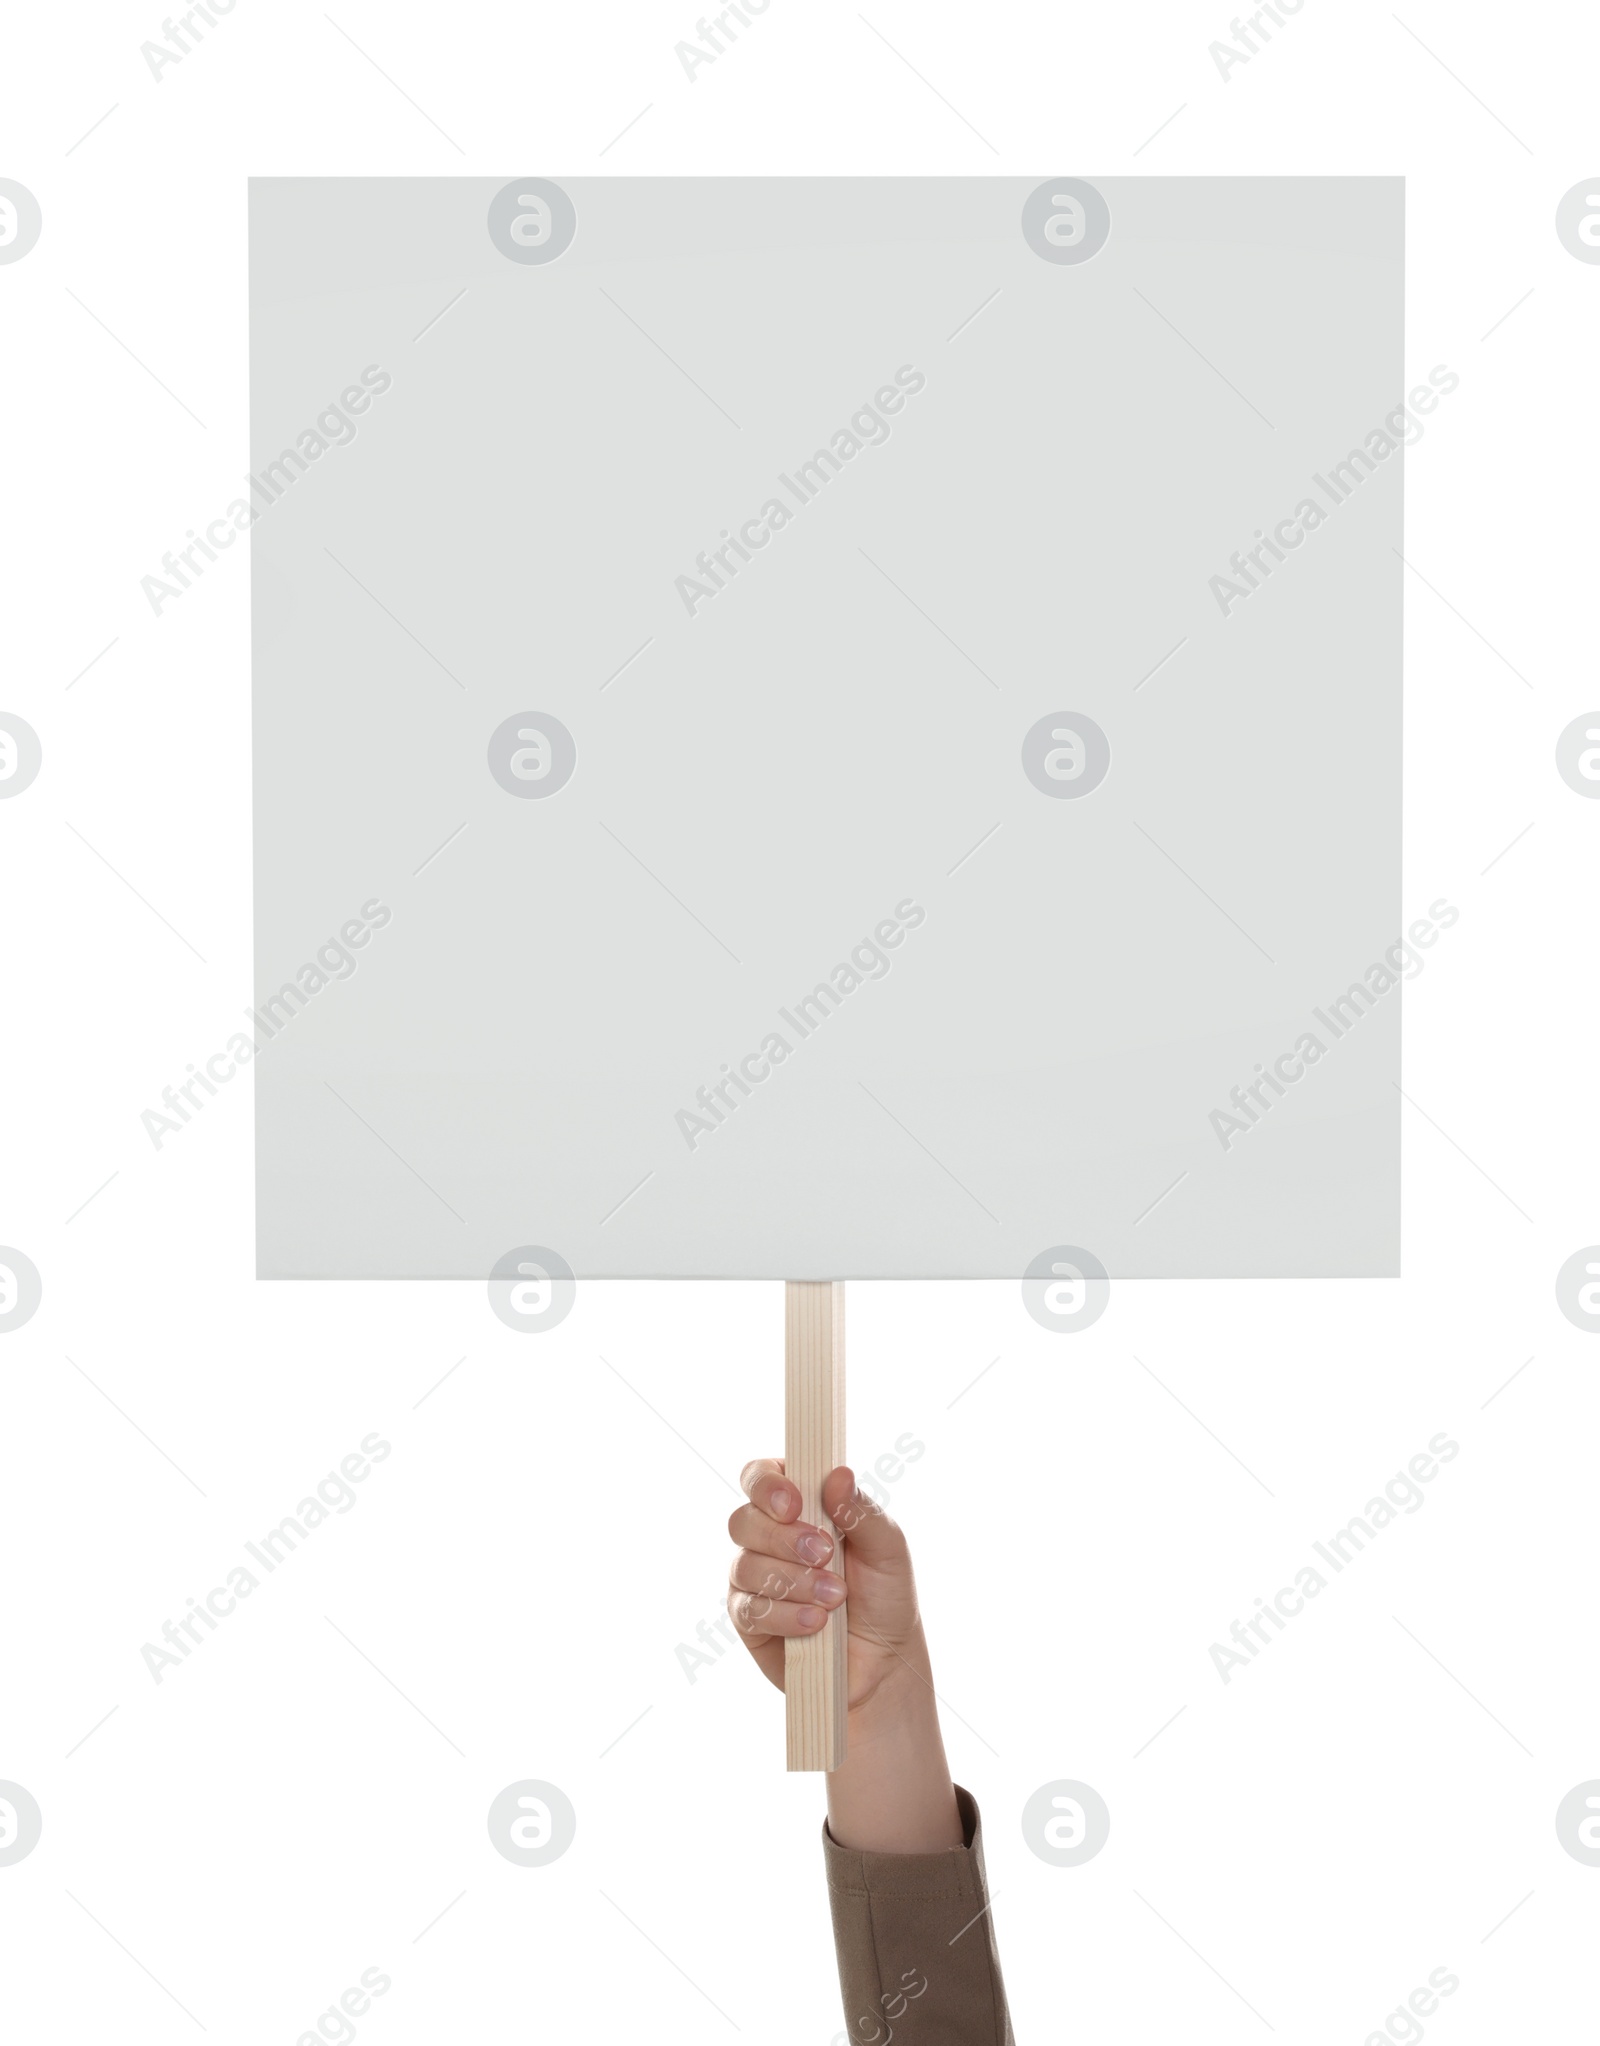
{"type": "Point", "coordinates": [916, 1946]}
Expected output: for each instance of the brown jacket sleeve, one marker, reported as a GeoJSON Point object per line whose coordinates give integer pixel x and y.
{"type": "Point", "coordinates": [915, 1936]}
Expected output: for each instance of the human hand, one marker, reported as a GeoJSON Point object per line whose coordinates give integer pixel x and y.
{"type": "Point", "coordinates": [892, 1794]}
{"type": "Point", "coordinates": [787, 1578]}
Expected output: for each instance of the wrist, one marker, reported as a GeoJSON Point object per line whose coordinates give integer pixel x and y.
{"type": "Point", "coordinates": [900, 1705]}
{"type": "Point", "coordinates": [892, 1794]}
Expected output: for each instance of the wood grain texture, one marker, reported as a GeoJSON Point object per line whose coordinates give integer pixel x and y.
{"type": "Point", "coordinates": [815, 1673]}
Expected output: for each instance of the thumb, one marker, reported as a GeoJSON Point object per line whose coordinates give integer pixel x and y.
{"type": "Point", "coordinates": [874, 1537]}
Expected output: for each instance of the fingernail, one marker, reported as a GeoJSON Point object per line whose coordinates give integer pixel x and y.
{"type": "Point", "coordinates": [811, 1618]}
{"type": "Point", "coordinates": [814, 1548]}
{"type": "Point", "coordinates": [827, 1590]}
{"type": "Point", "coordinates": [780, 1502]}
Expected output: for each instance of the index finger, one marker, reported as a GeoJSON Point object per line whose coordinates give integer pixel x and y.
{"type": "Point", "coordinates": [764, 1486]}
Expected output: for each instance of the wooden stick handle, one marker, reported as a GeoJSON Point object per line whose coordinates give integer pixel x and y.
{"type": "Point", "coordinates": [815, 1669]}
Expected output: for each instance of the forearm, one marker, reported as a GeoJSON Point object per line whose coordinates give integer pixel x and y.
{"type": "Point", "coordinates": [893, 1794]}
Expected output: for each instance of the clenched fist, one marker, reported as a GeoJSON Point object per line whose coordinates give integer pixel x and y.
{"type": "Point", "coordinates": [893, 1792]}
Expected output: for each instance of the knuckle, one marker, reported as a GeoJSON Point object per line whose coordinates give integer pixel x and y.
{"type": "Point", "coordinates": [748, 1610]}
{"type": "Point", "coordinates": [777, 1583]}
{"type": "Point", "coordinates": [761, 1583]}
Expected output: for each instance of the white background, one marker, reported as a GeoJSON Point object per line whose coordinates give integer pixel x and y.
{"type": "Point", "coordinates": [1365, 1803]}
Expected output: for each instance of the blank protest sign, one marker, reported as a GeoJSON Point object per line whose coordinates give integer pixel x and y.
{"type": "Point", "coordinates": [848, 723]}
